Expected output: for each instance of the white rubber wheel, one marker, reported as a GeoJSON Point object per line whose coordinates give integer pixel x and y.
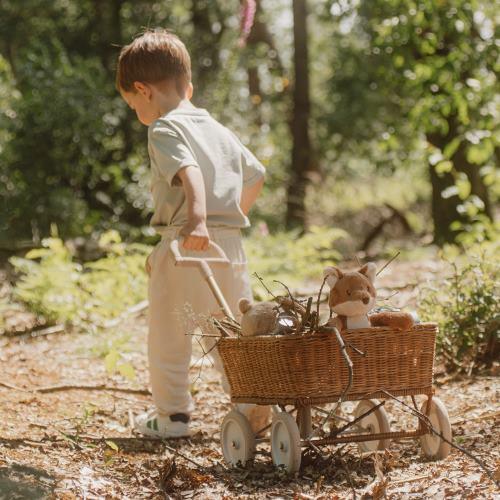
{"type": "Point", "coordinates": [377, 421]}
{"type": "Point", "coordinates": [285, 442]}
{"type": "Point", "coordinates": [237, 439]}
{"type": "Point", "coordinates": [433, 446]}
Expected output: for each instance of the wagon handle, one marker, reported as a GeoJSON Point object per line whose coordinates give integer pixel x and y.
{"type": "Point", "coordinates": [181, 260]}
{"type": "Point", "coordinates": [203, 264]}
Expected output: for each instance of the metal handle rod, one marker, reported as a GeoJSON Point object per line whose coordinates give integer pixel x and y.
{"type": "Point", "coordinates": [219, 297]}
{"type": "Point", "coordinates": [202, 264]}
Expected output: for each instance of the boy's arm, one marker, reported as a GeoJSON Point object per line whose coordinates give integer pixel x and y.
{"type": "Point", "coordinates": [195, 230]}
{"type": "Point", "coordinates": [249, 194]}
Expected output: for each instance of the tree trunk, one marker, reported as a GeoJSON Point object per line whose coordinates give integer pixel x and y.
{"type": "Point", "coordinates": [205, 46]}
{"type": "Point", "coordinates": [260, 34]}
{"type": "Point", "coordinates": [301, 149]}
{"type": "Point", "coordinates": [444, 210]}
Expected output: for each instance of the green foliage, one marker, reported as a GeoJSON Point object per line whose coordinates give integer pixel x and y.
{"type": "Point", "coordinates": [290, 257]}
{"type": "Point", "coordinates": [420, 75]}
{"type": "Point", "coordinates": [479, 229]}
{"type": "Point", "coordinates": [387, 79]}
{"type": "Point", "coordinates": [113, 364]}
{"type": "Point", "coordinates": [72, 152]}
{"type": "Point", "coordinates": [114, 348]}
{"type": "Point", "coordinates": [55, 286]}
{"type": "Point", "coordinates": [466, 305]}
{"type": "Point", "coordinates": [8, 96]}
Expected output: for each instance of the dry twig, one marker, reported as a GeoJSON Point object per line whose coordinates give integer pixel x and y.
{"type": "Point", "coordinates": [264, 285]}
{"type": "Point", "coordinates": [290, 296]}
{"type": "Point", "coordinates": [68, 387]}
{"type": "Point", "coordinates": [14, 387]}
{"type": "Point", "coordinates": [387, 263]}
{"type": "Point", "coordinates": [318, 302]}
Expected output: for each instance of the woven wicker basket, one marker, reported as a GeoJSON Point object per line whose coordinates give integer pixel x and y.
{"type": "Point", "coordinates": [309, 369]}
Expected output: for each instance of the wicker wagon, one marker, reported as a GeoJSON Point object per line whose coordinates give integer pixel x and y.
{"type": "Point", "coordinates": [306, 371]}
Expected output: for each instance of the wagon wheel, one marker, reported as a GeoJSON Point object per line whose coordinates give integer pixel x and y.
{"type": "Point", "coordinates": [433, 446]}
{"type": "Point", "coordinates": [374, 423]}
{"type": "Point", "coordinates": [285, 442]}
{"type": "Point", "coordinates": [237, 439]}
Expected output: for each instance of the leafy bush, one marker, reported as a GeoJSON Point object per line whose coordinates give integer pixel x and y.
{"type": "Point", "coordinates": [467, 306]}
{"type": "Point", "coordinates": [60, 289]}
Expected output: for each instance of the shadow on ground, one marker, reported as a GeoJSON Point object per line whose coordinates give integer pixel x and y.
{"type": "Point", "coordinates": [22, 481]}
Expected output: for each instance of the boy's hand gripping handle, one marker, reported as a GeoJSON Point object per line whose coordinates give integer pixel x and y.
{"type": "Point", "coordinates": [202, 263]}
{"type": "Point", "coordinates": [180, 260]}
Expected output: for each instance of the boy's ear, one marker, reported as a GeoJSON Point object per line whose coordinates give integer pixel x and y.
{"type": "Point", "coordinates": [143, 89]}
{"type": "Point", "coordinates": [189, 91]}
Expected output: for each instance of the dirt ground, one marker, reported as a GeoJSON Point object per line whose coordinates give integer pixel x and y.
{"type": "Point", "coordinates": [61, 441]}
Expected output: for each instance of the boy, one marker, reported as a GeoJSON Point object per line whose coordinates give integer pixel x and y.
{"type": "Point", "coordinates": [204, 182]}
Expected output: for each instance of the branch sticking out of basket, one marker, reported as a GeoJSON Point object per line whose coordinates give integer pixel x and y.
{"type": "Point", "coordinates": [306, 316]}
{"type": "Point", "coordinates": [289, 301]}
{"type": "Point", "coordinates": [318, 302]}
{"type": "Point", "coordinates": [387, 263]}
{"type": "Point", "coordinates": [264, 285]}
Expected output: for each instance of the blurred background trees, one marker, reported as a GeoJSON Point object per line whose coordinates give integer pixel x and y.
{"type": "Point", "coordinates": [372, 115]}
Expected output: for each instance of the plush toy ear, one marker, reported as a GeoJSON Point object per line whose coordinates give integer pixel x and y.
{"type": "Point", "coordinates": [244, 305]}
{"type": "Point", "coordinates": [333, 275]}
{"type": "Point", "coordinates": [369, 270]}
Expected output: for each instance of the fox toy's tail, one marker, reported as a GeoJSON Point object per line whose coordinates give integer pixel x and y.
{"type": "Point", "coordinates": [392, 319]}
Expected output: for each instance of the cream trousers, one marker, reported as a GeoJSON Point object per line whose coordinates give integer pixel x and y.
{"type": "Point", "coordinates": [176, 294]}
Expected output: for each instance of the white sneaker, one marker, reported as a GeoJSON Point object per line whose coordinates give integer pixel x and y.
{"type": "Point", "coordinates": [163, 426]}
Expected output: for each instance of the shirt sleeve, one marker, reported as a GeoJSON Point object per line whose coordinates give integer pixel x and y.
{"type": "Point", "coordinates": [253, 170]}
{"type": "Point", "coordinates": [169, 151]}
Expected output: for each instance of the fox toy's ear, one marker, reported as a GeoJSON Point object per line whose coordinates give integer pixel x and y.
{"type": "Point", "coordinates": [332, 274]}
{"type": "Point", "coordinates": [369, 270]}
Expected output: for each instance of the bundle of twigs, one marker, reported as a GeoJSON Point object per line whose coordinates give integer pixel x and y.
{"type": "Point", "coordinates": [295, 316]}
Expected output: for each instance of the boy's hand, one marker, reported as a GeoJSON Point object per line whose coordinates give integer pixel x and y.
{"type": "Point", "coordinates": [195, 235]}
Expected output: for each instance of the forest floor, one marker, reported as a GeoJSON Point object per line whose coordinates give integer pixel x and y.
{"type": "Point", "coordinates": [61, 438]}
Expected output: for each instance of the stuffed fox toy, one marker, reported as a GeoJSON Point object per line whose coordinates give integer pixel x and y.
{"type": "Point", "coordinates": [352, 296]}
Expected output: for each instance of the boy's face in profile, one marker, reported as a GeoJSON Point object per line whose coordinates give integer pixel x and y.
{"type": "Point", "coordinates": [140, 101]}
{"type": "Point", "coordinates": [150, 101]}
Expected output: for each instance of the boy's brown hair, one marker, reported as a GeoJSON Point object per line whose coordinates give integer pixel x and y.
{"type": "Point", "coordinates": [153, 57]}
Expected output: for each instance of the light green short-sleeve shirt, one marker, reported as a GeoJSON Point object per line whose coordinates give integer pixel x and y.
{"type": "Point", "coordinates": [191, 137]}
